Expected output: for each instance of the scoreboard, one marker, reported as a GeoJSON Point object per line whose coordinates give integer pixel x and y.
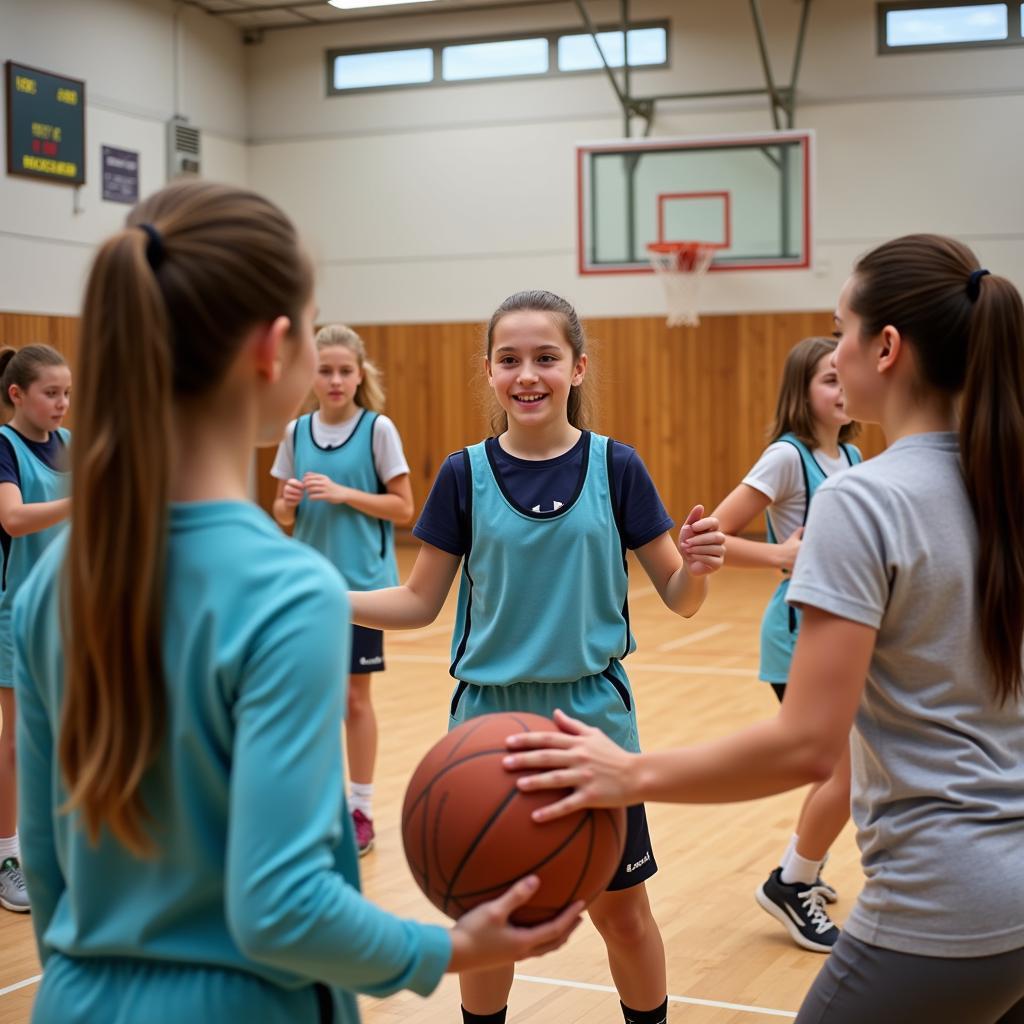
{"type": "Point", "coordinates": [45, 124]}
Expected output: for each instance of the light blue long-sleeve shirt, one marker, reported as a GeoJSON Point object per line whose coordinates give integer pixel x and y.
{"type": "Point", "coordinates": [257, 867]}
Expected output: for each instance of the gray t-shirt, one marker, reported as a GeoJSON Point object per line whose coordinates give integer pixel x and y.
{"type": "Point", "coordinates": [938, 765]}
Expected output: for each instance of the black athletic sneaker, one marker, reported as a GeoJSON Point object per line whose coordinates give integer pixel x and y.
{"type": "Point", "coordinates": [828, 894]}
{"type": "Point", "coordinates": [801, 909]}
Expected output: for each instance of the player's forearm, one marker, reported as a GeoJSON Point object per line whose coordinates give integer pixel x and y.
{"type": "Point", "coordinates": [741, 553]}
{"type": "Point", "coordinates": [393, 608]}
{"type": "Point", "coordinates": [759, 761]}
{"type": "Point", "coordinates": [684, 593]}
{"type": "Point", "coordinates": [392, 507]}
{"type": "Point", "coordinates": [31, 518]}
{"type": "Point", "coordinates": [283, 512]}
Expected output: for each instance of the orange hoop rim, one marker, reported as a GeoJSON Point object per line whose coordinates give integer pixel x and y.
{"type": "Point", "coordinates": [680, 247]}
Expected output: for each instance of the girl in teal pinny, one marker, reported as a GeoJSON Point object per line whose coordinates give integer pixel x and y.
{"type": "Point", "coordinates": [809, 444]}
{"type": "Point", "coordinates": [540, 517]}
{"type": "Point", "coordinates": [343, 481]}
{"type": "Point", "coordinates": [181, 674]}
{"type": "Point", "coordinates": [36, 383]}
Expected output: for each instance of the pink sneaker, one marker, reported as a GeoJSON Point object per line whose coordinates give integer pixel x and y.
{"type": "Point", "coordinates": [364, 832]}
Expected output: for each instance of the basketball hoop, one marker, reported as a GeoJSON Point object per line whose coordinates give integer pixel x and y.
{"type": "Point", "coordinates": [681, 266]}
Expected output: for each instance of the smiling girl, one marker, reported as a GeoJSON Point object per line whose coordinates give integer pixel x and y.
{"type": "Point", "coordinates": [540, 516]}
{"type": "Point", "coordinates": [343, 482]}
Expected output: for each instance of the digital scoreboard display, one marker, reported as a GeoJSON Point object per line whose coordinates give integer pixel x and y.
{"type": "Point", "coordinates": [45, 124]}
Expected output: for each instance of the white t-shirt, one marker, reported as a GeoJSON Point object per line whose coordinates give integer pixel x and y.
{"type": "Point", "coordinates": [779, 475]}
{"type": "Point", "coordinates": [388, 456]}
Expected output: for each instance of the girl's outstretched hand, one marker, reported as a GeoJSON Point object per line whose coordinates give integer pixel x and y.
{"type": "Point", "coordinates": [580, 758]}
{"type": "Point", "coordinates": [701, 543]}
{"type": "Point", "coordinates": [484, 936]}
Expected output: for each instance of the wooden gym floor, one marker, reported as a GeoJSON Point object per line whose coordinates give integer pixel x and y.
{"type": "Point", "coordinates": [728, 961]}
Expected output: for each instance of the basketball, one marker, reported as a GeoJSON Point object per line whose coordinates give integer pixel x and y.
{"type": "Point", "coordinates": [468, 834]}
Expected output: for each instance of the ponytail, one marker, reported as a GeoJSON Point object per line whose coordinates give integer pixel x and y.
{"type": "Point", "coordinates": [992, 447]}
{"type": "Point", "coordinates": [113, 716]}
{"type": "Point", "coordinates": [966, 328]}
{"type": "Point", "coordinates": [168, 304]}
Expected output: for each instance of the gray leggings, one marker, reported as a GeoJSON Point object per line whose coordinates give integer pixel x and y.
{"type": "Point", "coordinates": [861, 983]}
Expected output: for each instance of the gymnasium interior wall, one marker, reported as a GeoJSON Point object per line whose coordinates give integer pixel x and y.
{"type": "Point", "coordinates": [425, 207]}
{"type": "Point", "coordinates": [142, 61]}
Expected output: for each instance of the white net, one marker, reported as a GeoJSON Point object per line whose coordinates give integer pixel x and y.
{"type": "Point", "coordinates": [680, 268]}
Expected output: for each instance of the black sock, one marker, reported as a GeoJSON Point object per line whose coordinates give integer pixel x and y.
{"type": "Point", "coordinates": [659, 1015]}
{"type": "Point", "coordinates": [484, 1018]}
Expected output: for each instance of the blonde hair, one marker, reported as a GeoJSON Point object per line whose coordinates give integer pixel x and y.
{"type": "Point", "coordinates": [370, 393]}
{"type": "Point", "coordinates": [163, 322]}
{"type": "Point", "coordinates": [792, 410]}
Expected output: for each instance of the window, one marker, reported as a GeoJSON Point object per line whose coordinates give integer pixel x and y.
{"type": "Point", "coordinates": [500, 59]}
{"type": "Point", "coordinates": [385, 67]}
{"type": "Point", "coordinates": [449, 62]}
{"type": "Point", "coordinates": [948, 24]}
{"type": "Point", "coordinates": [578, 53]}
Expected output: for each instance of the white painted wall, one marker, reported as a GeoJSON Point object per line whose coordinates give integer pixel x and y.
{"type": "Point", "coordinates": [433, 204]}
{"type": "Point", "coordinates": [125, 51]}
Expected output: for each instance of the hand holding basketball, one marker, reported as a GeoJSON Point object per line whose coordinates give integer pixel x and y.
{"type": "Point", "coordinates": [485, 937]}
{"type": "Point", "coordinates": [701, 543]}
{"type": "Point", "coordinates": [579, 758]}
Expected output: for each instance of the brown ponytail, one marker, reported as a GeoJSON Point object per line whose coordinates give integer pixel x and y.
{"type": "Point", "coordinates": [992, 443]}
{"type": "Point", "coordinates": [160, 324]}
{"type": "Point", "coordinates": [968, 337]}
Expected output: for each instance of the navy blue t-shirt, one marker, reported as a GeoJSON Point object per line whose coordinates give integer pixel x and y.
{"type": "Point", "coordinates": [542, 486]}
{"type": "Point", "coordinates": [51, 452]}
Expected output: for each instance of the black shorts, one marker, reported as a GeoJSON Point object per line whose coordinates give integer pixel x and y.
{"type": "Point", "coordinates": [638, 863]}
{"type": "Point", "coordinates": [367, 651]}
{"type": "Point", "coordinates": [779, 689]}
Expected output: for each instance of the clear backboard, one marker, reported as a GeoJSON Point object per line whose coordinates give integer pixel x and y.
{"type": "Point", "coordinates": [748, 196]}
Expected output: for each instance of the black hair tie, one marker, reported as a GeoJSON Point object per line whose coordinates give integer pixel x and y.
{"type": "Point", "coordinates": [974, 284]}
{"type": "Point", "coordinates": [155, 252]}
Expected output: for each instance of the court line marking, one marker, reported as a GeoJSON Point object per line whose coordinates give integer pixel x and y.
{"type": "Point", "coordinates": [556, 983]}
{"type": "Point", "coordinates": [633, 666]}
{"type": "Point", "coordinates": [742, 1007]}
{"type": "Point", "coordinates": [20, 984]}
{"type": "Point", "coordinates": [692, 638]}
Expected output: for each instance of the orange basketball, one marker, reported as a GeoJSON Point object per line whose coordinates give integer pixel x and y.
{"type": "Point", "coordinates": [468, 834]}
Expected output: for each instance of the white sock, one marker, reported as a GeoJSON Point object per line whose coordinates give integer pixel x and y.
{"type": "Point", "coordinates": [9, 847]}
{"type": "Point", "coordinates": [361, 798]}
{"type": "Point", "coordinates": [800, 869]}
{"type": "Point", "coordinates": [790, 850]}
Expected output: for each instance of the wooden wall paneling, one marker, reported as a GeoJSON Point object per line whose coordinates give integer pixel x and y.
{"type": "Point", "coordinates": [695, 402]}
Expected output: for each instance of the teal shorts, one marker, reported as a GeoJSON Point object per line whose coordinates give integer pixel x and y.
{"type": "Point", "coordinates": [604, 701]}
